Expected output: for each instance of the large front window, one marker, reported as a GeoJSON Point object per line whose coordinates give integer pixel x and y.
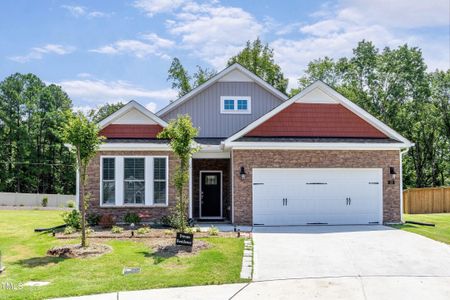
{"type": "Point", "coordinates": [134, 181]}
{"type": "Point", "coordinates": [108, 181]}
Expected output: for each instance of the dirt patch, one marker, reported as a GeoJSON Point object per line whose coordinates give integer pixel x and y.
{"type": "Point", "coordinates": [167, 248]}
{"type": "Point", "coordinates": [76, 251]}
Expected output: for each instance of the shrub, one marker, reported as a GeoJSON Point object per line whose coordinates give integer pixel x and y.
{"type": "Point", "coordinates": [106, 221]}
{"type": "Point", "coordinates": [116, 229]}
{"type": "Point", "coordinates": [198, 229]}
{"type": "Point", "coordinates": [213, 230]}
{"type": "Point", "coordinates": [168, 232]}
{"type": "Point", "coordinates": [89, 230]}
{"type": "Point", "coordinates": [190, 230]}
{"type": "Point", "coordinates": [143, 230]}
{"type": "Point", "coordinates": [44, 202]}
{"type": "Point", "coordinates": [93, 219]}
{"type": "Point", "coordinates": [69, 230]}
{"type": "Point", "coordinates": [71, 204]}
{"type": "Point", "coordinates": [72, 219]}
{"type": "Point", "coordinates": [132, 218]}
{"type": "Point", "coordinates": [169, 220]}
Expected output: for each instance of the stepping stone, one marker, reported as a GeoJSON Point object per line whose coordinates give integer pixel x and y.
{"type": "Point", "coordinates": [127, 271]}
{"type": "Point", "coordinates": [36, 283]}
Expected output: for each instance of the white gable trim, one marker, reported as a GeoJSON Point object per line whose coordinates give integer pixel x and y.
{"type": "Point", "coordinates": [217, 77]}
{"type": "Point", "coordinates": [129, 106]}
{"type": "Point", "coordinates": [340, 99]}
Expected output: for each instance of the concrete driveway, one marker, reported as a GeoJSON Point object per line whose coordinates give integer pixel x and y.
{"type": "Point", "coordinates": [346, 251]}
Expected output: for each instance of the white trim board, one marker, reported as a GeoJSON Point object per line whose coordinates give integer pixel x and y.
{"type": "Point", "coordinates": [336, 96]}
{"type": "Point", "coordinates": [125, 109]}
{"type": "Point", "coordinates": [217, 77]}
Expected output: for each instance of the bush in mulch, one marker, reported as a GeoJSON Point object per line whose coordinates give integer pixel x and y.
{"type": "Point", "coordinates": [76, 251]}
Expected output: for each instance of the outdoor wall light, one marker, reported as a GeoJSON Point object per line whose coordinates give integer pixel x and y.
{"type": "Point", "coordinates": [392, 175]}
{"type": "Point", "coordinates": [242, 173]}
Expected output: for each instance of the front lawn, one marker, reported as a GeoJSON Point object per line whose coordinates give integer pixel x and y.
{"type": "Point", "coordinates": [439, 233]}
{"type": "Point", "coordinates": [24, 254]}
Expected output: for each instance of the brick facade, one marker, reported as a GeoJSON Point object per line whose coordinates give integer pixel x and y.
{"type": "Point", "coordinates": [211, 165]}
{"type": "Point", "coordinates": [313, 159]}
{"type": "Point", "coordinates": [146, 213]}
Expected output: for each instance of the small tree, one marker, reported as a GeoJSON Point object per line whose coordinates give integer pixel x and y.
{"type": "Point", "coordinates": [181, 134]}
{"type": "Point", "coordinates": [83, 136]}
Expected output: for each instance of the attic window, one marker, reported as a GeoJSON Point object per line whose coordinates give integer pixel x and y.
{"type": "Point", "coordinates": [235, 105]}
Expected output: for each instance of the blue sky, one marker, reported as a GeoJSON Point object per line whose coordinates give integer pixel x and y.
{"type": "Point", "coordinates": [108, 51]}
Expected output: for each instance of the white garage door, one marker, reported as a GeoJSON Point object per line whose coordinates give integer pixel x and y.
{"type": "Point", "coordinates": [317, 196]}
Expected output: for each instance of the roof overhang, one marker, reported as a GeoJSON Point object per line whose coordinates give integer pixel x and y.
{"type": "Point", "coordinates": [389, 132]}
{"type": "Point", "coordinates": [312, 146]}
{"type": "Point", "coordinates": [126, 108]}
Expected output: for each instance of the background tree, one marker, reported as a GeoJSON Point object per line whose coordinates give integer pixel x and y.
{"type": "Point", "coordinates": [394, 86]}
{"type": "Point", "coordinates": [103, 111]}
{"type": "Point", "coordinates": [83, 137]}
{"type": "Point", "coordinates": [33, 158]}
{"type": "Point", "coordinates": [182, 81]}
{"type": "Point", "coordinates": [258, 58]}
{"type": "Point", "coordinates": [181, 134]}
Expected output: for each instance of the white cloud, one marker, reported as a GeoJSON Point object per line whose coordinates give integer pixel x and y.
{"type": "Point", "coordinates": [100, 91]}
{"type": "Point", "coordinates": [151, 106]}
{"type": "Point", "coordinates": [214, 32]}
{"type": "Point", "coordinates": [76, 11]}
{"type": "Point", "coordinates": [137, 48]}
{"type": "Point", "coordinates": [152, 7]}
{"type": "Point", "coordinates": [338, 28]}
{"type": "Point", "coordinates": [39, 52]}
{"type": "Point", "coordinates": [80, 11]}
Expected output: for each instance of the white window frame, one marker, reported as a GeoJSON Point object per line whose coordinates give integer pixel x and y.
{"type": "Point", "coordinates": [138, 180]}
{"type": "Point", "coordinates": [120, 182]}
{"type": "Point", "coordinates": [102, 181]}
{"type": "Point", "coordinates": [235, 101]}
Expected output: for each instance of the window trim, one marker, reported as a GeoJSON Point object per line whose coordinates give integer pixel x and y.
{"type": "Point", "coordinates": [102, 181]}
{"type": "Point", "coordinates": [235, 101]}
{"type": "Point", "coordinates": [147, 202]}
{"type": "Point", "coordinates": [136, 180]}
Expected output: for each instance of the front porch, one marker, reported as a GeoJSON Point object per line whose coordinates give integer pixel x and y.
{"type": "Point", "coordinates": [211, 190]}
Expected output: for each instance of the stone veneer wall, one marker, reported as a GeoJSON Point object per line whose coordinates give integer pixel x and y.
{"type": "Point", "coordinates": [314, 159]}
{"type": "Point", "coordinates": [211, 165]}
{"type": "Point", "coordinates": [147, 213]}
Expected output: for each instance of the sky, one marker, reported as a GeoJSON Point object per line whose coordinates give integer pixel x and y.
{"type": "Point", "coordinates": [103, 51]}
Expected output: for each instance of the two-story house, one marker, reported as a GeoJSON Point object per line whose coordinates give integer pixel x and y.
{"type": "Point", "coordinates": [316, 158]}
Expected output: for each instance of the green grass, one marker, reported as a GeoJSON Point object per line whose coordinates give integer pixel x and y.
{"type": "Point", "coordinates": [439, 233]}
{"type": "Point", "coordinates": [24, 254]}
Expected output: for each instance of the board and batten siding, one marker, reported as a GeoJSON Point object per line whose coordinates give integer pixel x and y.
{"type": "Point", "coordinates": [204, 108]}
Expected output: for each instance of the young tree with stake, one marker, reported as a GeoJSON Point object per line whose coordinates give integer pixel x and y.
{"type": "Point", "coordinates": [83, 137]}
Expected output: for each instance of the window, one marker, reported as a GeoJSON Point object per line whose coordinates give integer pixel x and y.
{"type": "Point", "coordinates": [159, 180]}
{"type": "Point", "coordinates": [134, 181]}
{"type": "Point", "coordinates": [228, 104]}
{"type": "Point", "coordinates": [235, 105]}
{"type": "Point", "coordinates": [211, 180]}
{"type": "Point", "coordinates": [108, 181]}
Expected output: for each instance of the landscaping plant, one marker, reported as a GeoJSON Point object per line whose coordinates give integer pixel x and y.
{"type": "Point", "coordinates": [106, 221]}
{"type": "Point", "coordinates": [213, 230]}
{"type": "Point", "coordinates": [44, 202]}
{"type": "Point", "coordinates": [143, 230]}
{"type": "Point", "coordinates": [71, 204]}
{"type": "Point", "coordinates": [116, 229]}
{"type": "Point", "coordinates": [69, 230]}
{"type": "Point", "coordinates": [72, 218]}
{"type": "Point", "coordinates": [132, 218]}
{"type": "Point", "coordinates": [181, 134]}
{"type": "Point", "coordinates": [83, 137]}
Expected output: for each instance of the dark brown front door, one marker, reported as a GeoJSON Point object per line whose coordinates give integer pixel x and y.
{"type": "Point", "coordinates": [210, 194]}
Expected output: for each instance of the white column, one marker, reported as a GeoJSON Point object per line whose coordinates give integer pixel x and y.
{"type": "Point", "coordinates": [190, 188]}
{"type": "Point", "coordinates": [148, 180]}
{"type": "Point", "coordinates": [119, 175]}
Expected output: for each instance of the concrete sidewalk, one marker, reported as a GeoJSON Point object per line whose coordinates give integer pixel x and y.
{"type": "Point", "coordinates": [349, 288]}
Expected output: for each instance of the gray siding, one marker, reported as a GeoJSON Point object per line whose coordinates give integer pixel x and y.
{"type": "Point", "coordinates": [204, 108]}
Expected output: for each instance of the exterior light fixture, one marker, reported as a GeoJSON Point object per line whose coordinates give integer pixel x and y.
{"type": "Point", "coordinates": [242, 173]}
{"type": "Point", "coordinates": [392, 175]}
{"type": "Point", "coordinates": [132, 229]}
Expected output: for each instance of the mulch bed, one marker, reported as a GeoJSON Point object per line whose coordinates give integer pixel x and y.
{"type": "Point", "coordinates": [75, 251]}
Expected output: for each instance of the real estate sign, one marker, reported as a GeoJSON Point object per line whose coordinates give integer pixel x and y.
{"type": "Point", "coordinates": [184, 239]}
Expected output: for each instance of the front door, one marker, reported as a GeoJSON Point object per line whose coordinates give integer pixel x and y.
{"type": "Point", "coordinates": [211, 194]}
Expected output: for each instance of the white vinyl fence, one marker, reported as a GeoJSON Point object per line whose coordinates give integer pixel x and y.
{"type": "Point", "coordinates": [35, 200]}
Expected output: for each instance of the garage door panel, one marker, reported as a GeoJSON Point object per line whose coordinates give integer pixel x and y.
{"type": "Point", "coordinates": [332, 196]}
